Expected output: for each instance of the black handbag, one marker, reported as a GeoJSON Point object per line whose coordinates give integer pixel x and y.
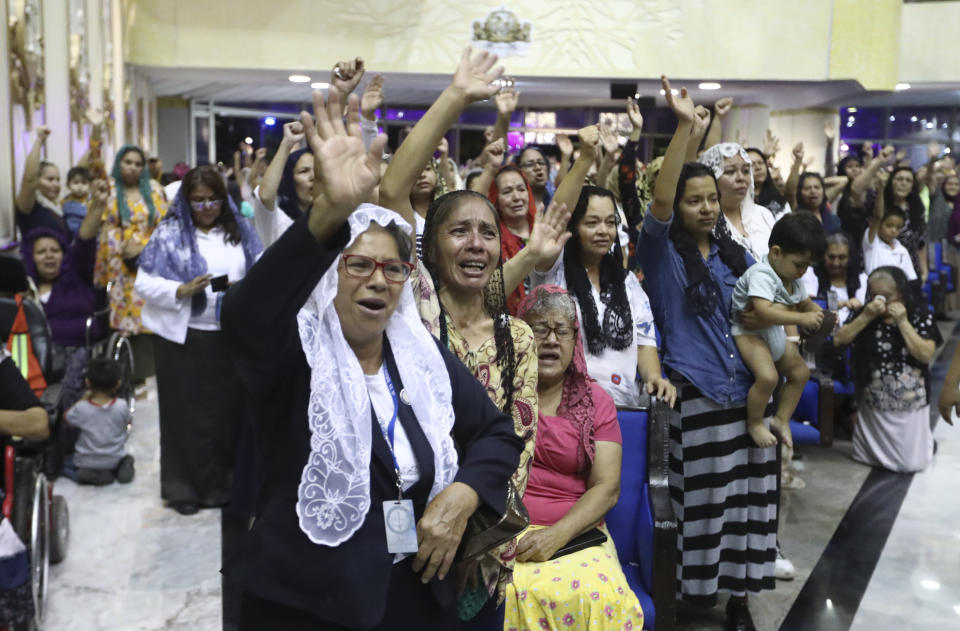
{"type": "Point", "coordinates": [487, 530]}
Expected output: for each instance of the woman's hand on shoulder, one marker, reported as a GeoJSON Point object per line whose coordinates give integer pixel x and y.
{"type": "Point", "coordinates": [441, 528]}
{"type": "Point", "coordinates": [538, 546]}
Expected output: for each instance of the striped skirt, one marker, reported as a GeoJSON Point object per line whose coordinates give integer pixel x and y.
{"type": "Point", "coordinates": [724, 494]}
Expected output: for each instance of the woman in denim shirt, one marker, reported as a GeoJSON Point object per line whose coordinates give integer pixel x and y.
{"type": "Point", "coordinates": [723, 487]}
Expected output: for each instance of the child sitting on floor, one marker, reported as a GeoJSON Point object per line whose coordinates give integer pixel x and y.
{"type": "Point", "coordinates": [102, 420]}
{"type": "Point", "coordinates": [773, 291]}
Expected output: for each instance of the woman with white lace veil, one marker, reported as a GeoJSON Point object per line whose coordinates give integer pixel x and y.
{"type": "Point", "coordinates": [362, 497]}
{"type": "Point", "coordinates": [748, 223]}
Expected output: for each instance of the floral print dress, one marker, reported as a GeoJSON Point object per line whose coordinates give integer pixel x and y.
{"type": "Point", "coordinates": [125, 304]}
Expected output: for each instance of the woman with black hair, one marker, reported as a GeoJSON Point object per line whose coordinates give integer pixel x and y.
{"type": "Point", "coordinates": [724, 488]}
{"type": "Point", "coordinates": [837, 273]}
{"type": "Point", "coordinates": [765, 191]}
{"type": "Point", "coordinates": [900, 192]}
{"type": "Point", "coordinates": [894, 338]}
{"type": "Point", "coordinates": [204, 237]}
{"type": "Point", "coordinates": [617, 331]}
{"type": "Point", "coordinates": [536, 168]}
{"type": "Point", "coordinates": [812, 197]}
{"type": "Point", "coordinates": [285, 191]}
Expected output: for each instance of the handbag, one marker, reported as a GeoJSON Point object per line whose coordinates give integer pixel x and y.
{"type": "Point", "coordinates": [487, 530]}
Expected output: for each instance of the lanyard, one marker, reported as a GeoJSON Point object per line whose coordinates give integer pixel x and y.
{"type": "Point", "coordinates": [390, 430]}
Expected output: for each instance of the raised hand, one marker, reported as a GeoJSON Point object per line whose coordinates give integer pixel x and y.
{"type": "Point", "coordinates": [549, 233]}
{"type": "Point", "coordinates": [492, 155]}
{"type": "Point", "coordinates": [506, 100]}
{"type": "Point", "coordinates": [885, 153]}
{"type": "Point", "coordinates": [475, 75]}
{"type": "Point", "coordinates": [867, 151]}
{"type": "Point", "coordinates": [829, 130]}
{"type": "Point", "coordinates": [901, 155]}
{"type": "Point", "coordinates": [701, 121]}
{"type": "Point", "coordinates": [609, 140]}
{"type": "Point", "coordinates": [260, 154]}
{"type": "Point", "coordinates": [443, 147]}
{"type": "Point", "coordinates": [43, 132]}
{"type": "Point", "coordinates": [348, 172]}
{"type": "Point", "coordinates": [681, 104]}
{"type": "Point", "coordinates": [589, 140]}
{"type": "Point", "coordinates": [722, 107]}
{"type": "Point", "coordinates": [346, 75]}
{"type": "Point", "coordinates": [293, 133]}
{"type": "Point", "coordinates": [798, 152]}
{"type": "Point", "coordinates": [771, 144]}
{"type": "Point", "coordinates": [633, 111]}
{"type": "Point", "coordinates": [99, 193]}
{"type": "Point", "coordinates": [934, 149]}
{"type": "Point", "coordinates": [564, 144]}
{"type": "Point", "coordinates": [372, 98]}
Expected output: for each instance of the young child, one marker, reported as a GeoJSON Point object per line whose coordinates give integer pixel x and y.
{"type": "Point", "coordinates": [102, 420]}
{"type": "Point", "coordinates": [75, 203]}
{"type": "Point", "coordinates": [773, 291]}
{"type": "Point", "coordinates": [880, 244]}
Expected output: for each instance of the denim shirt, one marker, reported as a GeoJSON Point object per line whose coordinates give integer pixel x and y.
{"type": "Point", "coordinates": [701, 349]}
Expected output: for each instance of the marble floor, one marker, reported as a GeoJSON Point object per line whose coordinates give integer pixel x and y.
{"type": "Point", "coordinates": [864, 561]}
{"type": "Point", "coordinates": [134, 565]}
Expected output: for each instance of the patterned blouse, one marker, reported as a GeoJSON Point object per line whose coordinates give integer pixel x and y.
{"type": "Point", "coordinates": [497, 566]}
{"type": "Point", "coordinates": [125, 304]}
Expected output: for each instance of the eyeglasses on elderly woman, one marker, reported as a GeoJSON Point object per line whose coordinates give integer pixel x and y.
{"type": "Point", "coordinates": [542, 330]}
{"type": "Point", "coordinates": [359, 266]}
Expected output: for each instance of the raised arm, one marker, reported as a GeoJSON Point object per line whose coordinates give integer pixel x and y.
{"type": "Point", "coordinates": [490, 161]}
{"type": "Point", "coordinates": [860, 185]}
{"type": "Point", "coordinates": [506, 101]}
{"type": "Point", "coordinates": [878, 210]}
{"type": "Point", "coordinates": [665, 188]}
{"type": "Point", "coordinates": [270, 182]}
{"type": "Point", "coordinates": [835, 185]}
{"type": "Point", "coordinates": [627, 169]}
{"type": "Point", "coordinates": [547, 238]}
{"type": "Point", "coordinates": [720, 110]}
{"type": "Point", "coordinates": [471, 82]}
{"type": "Point", "coordinates": [610, 143]}
{"type": "Point", "coordinates": [790, 186]}
{"type": "Point", "coordinates": [701, 122]}
{"type": "Point", "coordinates": [568, 192]}
{"type": "Point", "coordinates": [99, 194]}
{"type": "Point", "coordinates": [565, 146]}
{"type": "Point", "coordinates": [31, 173]}
{"type": "Point", "coordinates": [829, 165]}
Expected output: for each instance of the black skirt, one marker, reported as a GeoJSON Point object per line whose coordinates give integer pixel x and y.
{"type": "Point", "coordinates": [200, 415]}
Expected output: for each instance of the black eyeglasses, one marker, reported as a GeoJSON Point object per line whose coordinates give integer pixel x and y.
{"type": "Point", "coordinates": [359, 266]}
{"type": "Point", "coordinates": [529, 164]}
{"type": "Point", "coordinates": [210, 204]}
{"type": "Point", "coordinates": [541, 331]}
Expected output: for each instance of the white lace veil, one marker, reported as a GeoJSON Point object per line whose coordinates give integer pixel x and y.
{"type": "Point", "coordinates": [334, 492]}
{"type": "Point", "coordinates": [713, 158]}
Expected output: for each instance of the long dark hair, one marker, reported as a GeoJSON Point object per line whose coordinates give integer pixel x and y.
{"type": "Point", "coordinates": [806, 175]}
{"type": "Point", "coordinates": [769, 193]}
{"type": "Point", "coordinates": [209, 177]}
{"type": "Point", "coordinates": [287, 198]}
{"type": "Point", "coordinates": [853, 271]}
{"type": "Point", "coordinates": [616, 331]}
{"type": "Point", "coordinates": [702, 291]}
{"type": "Point", "coordinates": [866, 351]}
{"type": "Point", "coordinates": [917, 211]}
{"type": "Point", "coordinates": [495, 301]}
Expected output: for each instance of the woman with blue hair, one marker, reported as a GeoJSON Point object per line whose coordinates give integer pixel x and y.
{"type": "Point", "coordinates": [201, 247]}
{"type": "Point", "coordinates": [127, 225]}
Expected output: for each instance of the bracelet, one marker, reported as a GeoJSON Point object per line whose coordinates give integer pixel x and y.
{"type": "Point", "coordinates": [793, 338]}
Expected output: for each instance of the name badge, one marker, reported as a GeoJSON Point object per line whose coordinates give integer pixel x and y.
{"type": "Point", "coordinates": [401, 526]}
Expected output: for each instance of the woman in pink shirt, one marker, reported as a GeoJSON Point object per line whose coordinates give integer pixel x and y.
{"type": "Point", "coordinates": [574, 481]}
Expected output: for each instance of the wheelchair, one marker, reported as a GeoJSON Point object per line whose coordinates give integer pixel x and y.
{"type": "Point", "coordinates": [114, 345]}
{"type": "Point", "coordinates": [39, 517]}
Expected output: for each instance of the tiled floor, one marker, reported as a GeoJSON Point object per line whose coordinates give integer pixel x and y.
{"type": "Point", "coordinates": [135, 565]}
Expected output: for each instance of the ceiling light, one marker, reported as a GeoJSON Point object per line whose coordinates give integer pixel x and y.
{"type": "Point", "coordinates": [299, 78]}
{"type": "Point", "coordinates": [248, 140]}
{"type": "Point", "coordinates": [319, 85]}
{"type": "Point", "coordinates": [913, 119]}
{"type": "Point", "coordinates": [946, 149]}
{"type": "Point", "coordinates": [709, 85]}
{"type": "Point", "coordinates": [893, 118]}
{"type": "Point", "coordinates": [270, 121]}
{"type": "Point", "coordinates": [902, 86]}
{"type": "Point", "coordinates": [673, 91]}
{"type": "Point", "coordinates": [829, 604]}
{"type": "Point", "coordinates": [956, 609]}
{"type": "Point", "coordinates": [929, 125]}
{"type": "Point", "coordinates": [852, 110]}
{"type": "Point", "coordinates": [930, 584]}
{"type": "Point", "coordinates": [844, 147]}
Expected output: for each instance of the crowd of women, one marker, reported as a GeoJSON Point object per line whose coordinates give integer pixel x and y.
{"type": "Point", "coordinates": [425, 350]}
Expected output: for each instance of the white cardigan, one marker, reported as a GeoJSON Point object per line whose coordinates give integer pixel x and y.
{"type": "Point", "coordinates": [169, 316]}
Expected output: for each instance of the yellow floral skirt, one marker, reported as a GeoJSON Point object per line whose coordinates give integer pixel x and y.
{"type": "Point", "coordinates": [583, 590]}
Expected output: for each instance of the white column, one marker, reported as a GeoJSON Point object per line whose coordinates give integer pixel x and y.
{"type": "Point", "coordinates": [56, 82]}
{"type": "Point", "coordinates": [6, 143]}
{"type": "Point", "coordinates": [116, 18]}
{"type": "Point", "coordinates": [95, 61]}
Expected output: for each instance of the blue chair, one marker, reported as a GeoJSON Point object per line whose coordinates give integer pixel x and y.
{"type": "Point", "coordinates": [642, 523]}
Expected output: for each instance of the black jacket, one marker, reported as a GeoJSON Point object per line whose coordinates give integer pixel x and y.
{"type": "Point", "coordinates": [281, 563]}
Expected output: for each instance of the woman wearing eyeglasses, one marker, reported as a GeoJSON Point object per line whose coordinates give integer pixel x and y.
{"type": "Point", "coordinates": [536, 168]}
{"type": "Point", "coordinates": [202, 246]}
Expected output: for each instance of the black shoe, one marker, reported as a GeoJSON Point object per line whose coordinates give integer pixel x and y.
{"type": "Point", "coordinates": [96, 477]}
{"type": "Point", "coordinates": [125, 470]}
{"type": "Point", "coordinates": [738, 616]}
{"type": "Point", "coordinates": [186, 508]}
